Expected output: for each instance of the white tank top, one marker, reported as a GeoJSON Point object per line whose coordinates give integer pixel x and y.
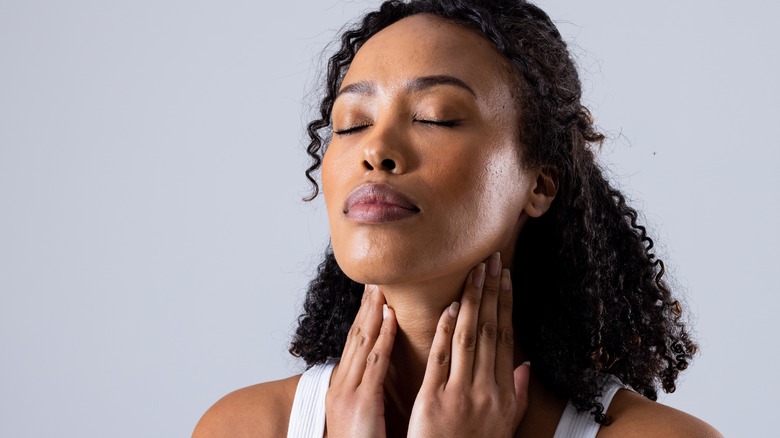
{"type": "Point", "coordinates": [307, 418]}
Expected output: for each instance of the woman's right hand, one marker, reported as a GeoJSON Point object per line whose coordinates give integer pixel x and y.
{"type": "Point", "coordinates": [354, 404]}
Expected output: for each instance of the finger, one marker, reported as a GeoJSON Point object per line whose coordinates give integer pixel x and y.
{"type": "Point", "coordinates": [505, 343]}
{"type": "Point", "coordinates": [378, 360]}
{"type": "Point", "coordinates": [487, 326]}
{"type": "Point", "coordinates": [362, 336]}
{"type": "Point", "coordinates": [465, 335]}
{"type": "Point", "coordinates": [438, 368]}
{"type": "Point", "coordinates": [354, 330]}
{"type": "Point", "coordinates": [522, 376]}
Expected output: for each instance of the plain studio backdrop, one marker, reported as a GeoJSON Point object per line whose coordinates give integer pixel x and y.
{"type": "Point", "coordinates": [154, 248]}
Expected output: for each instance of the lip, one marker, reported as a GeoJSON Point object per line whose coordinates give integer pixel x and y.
{"type": "Point", "coordinates": [375, 202]}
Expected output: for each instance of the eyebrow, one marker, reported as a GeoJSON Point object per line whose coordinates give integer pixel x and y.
{"type": "Point", "coordinates": [421, 83]}
{"type": "Point", "coordinates": [367, 88]}
{"type": "Point", "coordinates": [364, 88]}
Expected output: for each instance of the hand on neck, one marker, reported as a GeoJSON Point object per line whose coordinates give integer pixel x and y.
{"type": "Point", "coordinates": [417, 308]}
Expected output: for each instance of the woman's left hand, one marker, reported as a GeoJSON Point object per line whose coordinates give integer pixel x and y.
{"type": "Point", "coordinates": [470, 388]}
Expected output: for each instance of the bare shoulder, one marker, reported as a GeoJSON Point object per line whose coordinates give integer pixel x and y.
{"type": "Point", "coordinates": [261, 410]}
{"type": "Point", "coordinates": [636, 416]}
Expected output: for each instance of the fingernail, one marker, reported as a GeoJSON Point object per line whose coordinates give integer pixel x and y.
{"type": "Point", "coordinates": [454, 307]}
{"type": "Point", "coordinates": [528, 362]}
{"type": "Point", "coordinates": [506, 282]}
{"type": "Point", "coordinates": [385, 312]}
{"type": "Point", "coordinates": [494, 264]}
{"type": "Point", "coordinates": [479, 275]}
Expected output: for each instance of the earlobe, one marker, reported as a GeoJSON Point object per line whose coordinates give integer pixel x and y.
{"type": "Point", "coordinates": [542, 191]}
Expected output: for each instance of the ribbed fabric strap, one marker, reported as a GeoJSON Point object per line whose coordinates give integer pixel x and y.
{"type": "Point", "coordinates": [307, 418]}
{"type": "Point", "coordinates": [575, 424]}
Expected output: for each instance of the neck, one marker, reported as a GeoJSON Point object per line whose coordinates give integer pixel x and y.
{"type": "Point", "coordinates": [417, 308]}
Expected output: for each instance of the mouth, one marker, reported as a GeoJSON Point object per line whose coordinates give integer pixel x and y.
{"type": "Point", "coordinates": [376, 203]}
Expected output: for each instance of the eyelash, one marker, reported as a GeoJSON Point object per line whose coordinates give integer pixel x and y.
{"type": "Point", "coordinates": [350, 130]}
{"type": "Point", "coordinates": [441, 123]}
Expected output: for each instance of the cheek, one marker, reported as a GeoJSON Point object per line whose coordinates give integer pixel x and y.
{"type": "Point", "coordinates": [350, 244]}
{"type": "Point", "coordinates": [332, 180]}
{"type": "Point", "coordinates": [326, 173]}
{"type": "Point", "coordinates": [486, 195]}
{"type": "Point", "coordinates": [478, 201]}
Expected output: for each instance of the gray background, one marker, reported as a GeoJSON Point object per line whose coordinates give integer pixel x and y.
{"type": "Point", "coordinates": [154, 249]}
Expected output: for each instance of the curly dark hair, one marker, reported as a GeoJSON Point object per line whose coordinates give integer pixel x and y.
{"type": "Point", "coordinates": [594, 301]}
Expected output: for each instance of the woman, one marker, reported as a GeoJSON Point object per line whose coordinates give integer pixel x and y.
{"type": "Point", "coordinates": [472, 233]}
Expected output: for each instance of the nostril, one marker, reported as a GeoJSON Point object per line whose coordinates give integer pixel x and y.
{"type": "Point", "coordinates": [388, 164]}
{"type": "Point", "coordinates": [368, 165]}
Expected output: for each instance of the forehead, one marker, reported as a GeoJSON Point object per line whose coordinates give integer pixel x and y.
{"type": "Point", "coordinates": [426, 45]}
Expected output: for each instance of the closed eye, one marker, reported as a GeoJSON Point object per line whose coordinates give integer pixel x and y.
{"type": "Point", "coordinates": [443, 123]}
{"type": "Point", "coordinates": [351, 129]}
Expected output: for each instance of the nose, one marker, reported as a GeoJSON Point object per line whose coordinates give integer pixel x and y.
{"type": "Point", "coordinates": [386, 164]}
{"type": "Point", "coordinates": [383, 151]}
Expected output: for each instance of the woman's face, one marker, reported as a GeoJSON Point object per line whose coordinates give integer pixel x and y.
{"type": "Point", "coordinates": [423, 176]}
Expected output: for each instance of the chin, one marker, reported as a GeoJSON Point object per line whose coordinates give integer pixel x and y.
{"type": "Point", "coordinates": [397, 262]}
{"type": "Point", "coordinates": [379, 262]}
{"type": "Point", "coordinates": [375, 269]}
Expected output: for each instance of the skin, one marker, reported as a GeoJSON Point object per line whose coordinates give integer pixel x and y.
{"type": "Point", "coordinates": [460, 368]}
{"type": "Point", "coordinates": [473, 168]}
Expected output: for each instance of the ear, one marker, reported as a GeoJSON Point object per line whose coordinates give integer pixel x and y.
{"type": "Point", "coordinates": [542, 191]}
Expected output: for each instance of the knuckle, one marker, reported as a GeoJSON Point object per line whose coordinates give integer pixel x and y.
{"type": "Point", "coordinates": [505, 303]}
{"type": "Point", "coordinates": [490, 289]}
{"type": "Point", "coordinates": [368, 296]}
{"type": "Point", "coordinates": [373, 358]}
{"type": "Point", "coordinates": [488, 401]}
{"type": "Point", "coordinates": [387, 329]}
{"type": "Point", "coordinates": [445, 329]}
{"type": "Point", "coordinates": [489, 331]}
{"type": "Point", "coordinates": [466, 339]}
{"type": "Point", "coordinates": [354, 331]}
{"type": "Point", "coordinates": [361, 340]}
{"type": "Point", "coordinates": [441, 358]}
{"type": "Point", "coordinates": [471, 299]}
{"type": "Point", "coordinates": [507, 336]}
{"type": "Point", "coordinates": [334, 397]}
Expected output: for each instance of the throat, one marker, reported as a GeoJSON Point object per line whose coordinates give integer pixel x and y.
{"type": "Point", "coordinates": [407, 368]}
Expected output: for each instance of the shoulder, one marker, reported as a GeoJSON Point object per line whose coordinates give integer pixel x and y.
{"type": "Point", "coordinates": [635, 416]}
{"type": "Point", "coordinates": [261, 410]}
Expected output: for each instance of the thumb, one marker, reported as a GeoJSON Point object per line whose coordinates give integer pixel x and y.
{"type": "Point", "coordinates": [522, 375]}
